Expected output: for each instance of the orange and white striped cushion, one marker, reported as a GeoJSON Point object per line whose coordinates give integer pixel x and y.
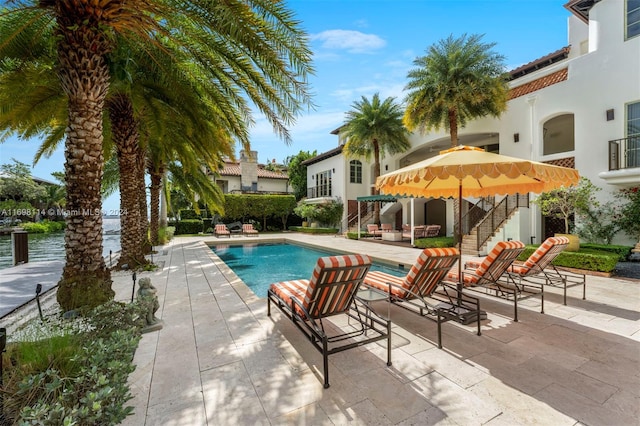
{"type": "Point", "coordinates": [542, 251]}
{"type": "Point", "coordinates": [287, 290]}
{"type": "Point", "coordinates": [429, 259]}
{"type": "Point", "coordinates": [334, 299]}
{"type": "Point", "coordinates": [488, 262]}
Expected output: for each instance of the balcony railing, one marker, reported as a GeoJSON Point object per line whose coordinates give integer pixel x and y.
{"type": "Point", "coordinates": [624, 153]}
{"type": "Point", "coordinates": [319, 191]}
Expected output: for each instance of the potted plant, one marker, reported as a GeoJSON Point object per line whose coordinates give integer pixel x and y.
{"type": "Point", "coordinates": [563, 202]}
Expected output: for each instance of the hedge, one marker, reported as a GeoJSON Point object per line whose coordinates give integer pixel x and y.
{"type": "Point", "coordinates": [188, 226]}
{"type": "Point", "coordinates": [587, 259]}
{"type": "Point", "coordinates": [308, 230]}
{"type": "Point", "coordinates": [435, 242]}
{"type": "Point", "coordinates": [623, 252]}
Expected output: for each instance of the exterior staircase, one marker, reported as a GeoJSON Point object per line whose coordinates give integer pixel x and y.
{"type": "Point", "coordinates": [479, 231]}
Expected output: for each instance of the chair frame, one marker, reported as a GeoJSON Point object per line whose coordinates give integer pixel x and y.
{"type": "Point", "coordinates": [440, 301]}
{"type": "Point", "coordinates": [310, 320]}
{"type": "Point", "coordinates": [494, 281]}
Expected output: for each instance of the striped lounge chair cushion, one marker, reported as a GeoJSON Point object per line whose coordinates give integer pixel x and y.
{"type": "Point", "coordinates": [488, 269]}
{"type": "Point", "coordinates": [428, 270]}
{"type": "Point", "coordinates": [319, 298]}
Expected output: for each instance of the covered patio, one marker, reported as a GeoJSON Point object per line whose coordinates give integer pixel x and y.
{"type": "Point", "coordinates": [220, 360]}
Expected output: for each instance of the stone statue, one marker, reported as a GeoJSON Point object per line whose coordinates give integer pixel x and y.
{"type": "Point", "coordinates": [147, 293]}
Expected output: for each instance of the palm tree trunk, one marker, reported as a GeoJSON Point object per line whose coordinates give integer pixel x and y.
{"type": "Point", "coordinates": [156, 186]}
{"type": "Point", "coordinates": [453, 127]}
{"type": "Point", "coordinates": [142, 201]}
{"type": "Point", "coordinates": [376, 174]}
{"type": "Point", "coordinates": [84, 77]}
{"type": "Point", "coordinates": [126, 137]}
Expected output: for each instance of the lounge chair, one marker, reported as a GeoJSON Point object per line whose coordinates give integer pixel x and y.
{"type": "Point", "coordinates": [331, 291]}
{"type": "Point", "coordinates": [538, 269]}
{"type": "Point", "coordinates": [221, 229]}
{"type": "Point", "coordinates": [431, 231]}
{"type": "Point", "coordinates": [374, 230]}
{"type": "Point", "coordinates": [386, 227]}
{"type": "Point", "coordinates": [423, 292]}
{"type": "Point", "coordinates": [490, 275]}
{"type": "Point", "coordinates": [248, 229]}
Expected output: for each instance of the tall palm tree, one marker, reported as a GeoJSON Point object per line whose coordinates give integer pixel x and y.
{"type": "Point", "coordinates": [458, 80]}
{"type": "Point", "coordinates": [372, 129]}
{"type": "Point", "coordinates": [251, 48]}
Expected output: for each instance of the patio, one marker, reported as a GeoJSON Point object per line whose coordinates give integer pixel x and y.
{"type": "Point", "coordinates": [220, 360]}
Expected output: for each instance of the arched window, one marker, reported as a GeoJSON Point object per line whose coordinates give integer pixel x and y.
{"type": "Point", "coordinates": [355, 171]}
{"type": "Point", "coordinates": [558, 135]}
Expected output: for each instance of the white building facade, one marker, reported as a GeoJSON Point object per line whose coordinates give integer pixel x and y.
{"type": "Point", "coordinates": [576, 107]}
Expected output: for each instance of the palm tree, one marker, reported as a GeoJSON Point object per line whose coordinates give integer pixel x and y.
{"type": "Point", "coordinates": [372, 129]}
{"type": "Point", "coordinates": [251, 48]}
{"type": "Point", "coordinates": [460, 79]}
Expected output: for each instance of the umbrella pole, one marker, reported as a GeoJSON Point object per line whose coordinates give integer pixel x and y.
{"type": "Point", "coordinates": [459, 241]}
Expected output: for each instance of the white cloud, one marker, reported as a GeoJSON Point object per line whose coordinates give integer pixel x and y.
{"type": "Point", "coordinates": [351, 41]}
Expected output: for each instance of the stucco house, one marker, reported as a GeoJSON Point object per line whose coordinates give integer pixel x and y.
{"type": "Point", "coordinates": [577, 107]}
{"type": "Point", "coordinates": [248, 177]}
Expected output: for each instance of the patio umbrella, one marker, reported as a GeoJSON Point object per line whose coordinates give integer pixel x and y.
{"type": "Point", "coordinates": [470, 171]}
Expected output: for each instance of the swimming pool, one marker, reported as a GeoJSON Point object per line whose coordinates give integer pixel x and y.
{"type": "Point", "coordinates": [259, 265]}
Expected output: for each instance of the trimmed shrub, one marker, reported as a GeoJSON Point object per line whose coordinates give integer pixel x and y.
{"type": "Point", "coordinates": [587, 259]}
{"type": "Point", "coordinates": [307, 230]}
{"type": "Point", "coordinates": [188, 214]}
{"type": "Point", "coordinates": [435, 242]}
{"type": "Point", "coordinates": [623, 252]}
{"type": "Point", "coordinates": [188, 226]}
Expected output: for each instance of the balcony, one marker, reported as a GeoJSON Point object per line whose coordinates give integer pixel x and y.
{"type": "Point", "coordinates": [319, 191]}
{"type": "Point", "coordinates": [624, 162]}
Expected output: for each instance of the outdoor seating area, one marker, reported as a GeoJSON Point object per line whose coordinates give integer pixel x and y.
{"type": "Point", "coordinates": [420, 231]}
{"type": "Point", "coordinates": [537, 271]}
{"type": "Point", "coordinates": [240, 366]}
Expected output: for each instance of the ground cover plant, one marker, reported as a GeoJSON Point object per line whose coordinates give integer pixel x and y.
{"type": "Point", "coordinates": [589, 259]}
{"type": "Point", "coordinates": [72, 371]}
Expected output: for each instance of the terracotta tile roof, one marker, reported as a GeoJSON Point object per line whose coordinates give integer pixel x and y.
{"type": "Point", "coordinates": [539, 83]}
{"type": "Point", "coordinates": [539, 63]}
{"type": "Point", "coordinates": [233, 169]}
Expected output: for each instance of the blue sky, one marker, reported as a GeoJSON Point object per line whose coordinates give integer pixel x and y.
{"type": "Point", "coordinates": [366, 46]}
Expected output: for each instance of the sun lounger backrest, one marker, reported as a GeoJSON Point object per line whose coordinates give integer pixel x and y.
{"type": "Point", "coordinates": [544, 255]}
{"type": "Point", "coordinates": [334, 283]}
{"type": "Point", "coordinates": [222, 229]}
{"type": "Point", "coordinates": [497, 261]}
{"type": "Point", "coordinates": [430, 268]}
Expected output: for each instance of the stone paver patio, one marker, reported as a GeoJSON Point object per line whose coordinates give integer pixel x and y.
{"type": "Point", "coordinates": [219, 359]}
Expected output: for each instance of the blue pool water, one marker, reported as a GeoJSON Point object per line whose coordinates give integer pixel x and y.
{"type": "Point", "coordinates": [259, 265]}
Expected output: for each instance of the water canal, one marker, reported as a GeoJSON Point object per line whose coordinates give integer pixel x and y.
{"type": "Point", "coordinates": [51, 246]}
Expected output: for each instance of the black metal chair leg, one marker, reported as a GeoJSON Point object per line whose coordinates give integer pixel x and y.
{"type": "Point", "coordinates": [439, 330]}
{"type": "Point", "coordinates": [325, 361]}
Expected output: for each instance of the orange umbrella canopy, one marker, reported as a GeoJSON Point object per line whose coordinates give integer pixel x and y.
{"type": "Point", "coordinates": [477, 172]}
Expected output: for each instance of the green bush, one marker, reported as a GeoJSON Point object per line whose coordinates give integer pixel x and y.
{"type": "Point", "coordinates": [308, 230]}
{"type": "Point", "coordinates": [354, 235]}
{"type": "Point", "coordinates": [188, 226]}
{"type": "Point", "coordinates": [587, 259]}
{"type": "Point", "coordinates": [43, 227]}
{"type": "Point", "coordinates": [188, 214]}
{"type": "Point", "coordinates": [88, 386]}
{"type": "Point", "coordinates": [165, 234]}
{"type": "Point", "coordinates": [435, 242]}
{"type": "Point", "coordinates": [623, 252]}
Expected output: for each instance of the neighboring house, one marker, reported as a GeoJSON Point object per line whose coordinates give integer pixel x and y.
{"type": "Point", "coordinates": [249, 177]}
{"type": "Point", "coordinates": [576, 107]}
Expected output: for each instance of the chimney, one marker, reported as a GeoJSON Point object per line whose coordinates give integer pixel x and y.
{"type": "Point", "coordinates": [249, 170]}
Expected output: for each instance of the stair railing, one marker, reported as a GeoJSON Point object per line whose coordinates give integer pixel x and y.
{"type": "Point", "coordinates": [497, 216]}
